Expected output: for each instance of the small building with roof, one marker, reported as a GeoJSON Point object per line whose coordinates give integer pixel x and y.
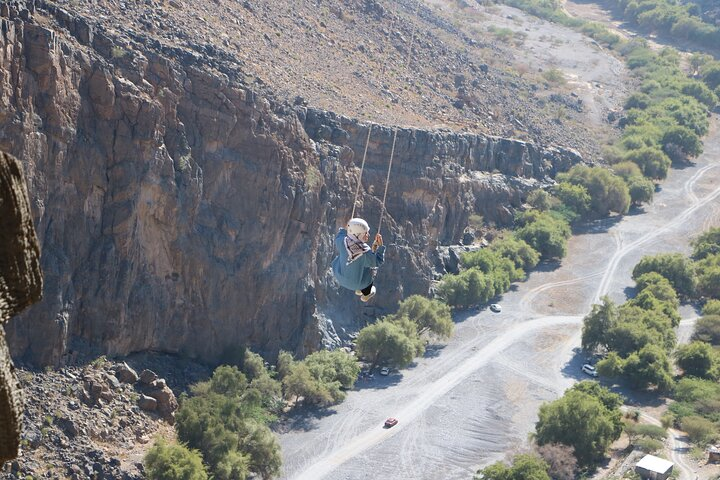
{"type": "Point", "coordinates": [651, 467]}
{"type": "Point", "coordinates": [714, 454]}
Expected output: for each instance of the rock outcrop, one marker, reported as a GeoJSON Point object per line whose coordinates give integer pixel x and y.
{"type": "Point", "coordinates": [182, 211]}
{"type": "Point", "coordinates": [20, 286]}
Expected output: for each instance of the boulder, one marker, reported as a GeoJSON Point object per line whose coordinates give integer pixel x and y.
{"type": "Point", "coordinates": [112, 381]}
{"type": "Point", "coordinates": [126, 374]}
{"type": "Point", "coordinates": [149, 404]}
{"type": "Point", "coordinates": [67, 426]}
{"type": "Point", "coordinates": [147, 377]}
{"type": "Point", "coordinates": [166, 403]}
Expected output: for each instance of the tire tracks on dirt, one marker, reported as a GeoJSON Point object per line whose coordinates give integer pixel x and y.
{"type": "Point", "coordinates": [434, 391]}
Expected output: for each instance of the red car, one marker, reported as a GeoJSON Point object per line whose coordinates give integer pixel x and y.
{"type": "Point", "coordinates": [390, 422]}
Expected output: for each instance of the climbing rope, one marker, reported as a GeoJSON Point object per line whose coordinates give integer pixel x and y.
{"type": "Point", "coordinates": [362, 167]}
{"type": "Point", "coordinates": [392, 150]}
{"type": "Point", "coordinates": [387, 182]}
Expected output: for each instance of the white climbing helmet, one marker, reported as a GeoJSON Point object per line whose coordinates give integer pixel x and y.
{"type": "Point", "coordinates": [357, 227]}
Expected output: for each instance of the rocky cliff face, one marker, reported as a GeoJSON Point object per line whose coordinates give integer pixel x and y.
{"type": "Point", "coordinates": [180, 210]}
{"type": "Point", "coordinates": [20, 286]}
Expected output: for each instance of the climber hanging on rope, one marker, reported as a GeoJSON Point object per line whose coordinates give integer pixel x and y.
{"type": "Point", "coordinates": [355, 265]}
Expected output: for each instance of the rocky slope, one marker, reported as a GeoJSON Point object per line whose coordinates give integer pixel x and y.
{"type": "Point", "coordinates": [184, 207]}
{"type": "Point", "coordinates": [99, 420]}
{"type": "Point", "coordinates": [401, 62]}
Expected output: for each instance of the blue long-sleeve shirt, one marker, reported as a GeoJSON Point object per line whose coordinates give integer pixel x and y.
{"type": "Point", "coordinates": [357, 275]}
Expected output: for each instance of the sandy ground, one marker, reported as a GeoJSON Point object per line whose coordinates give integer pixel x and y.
{"type": "Point", "coordinates": [474, 400]}
{"type": "Point", "coordinates": [599, 79]}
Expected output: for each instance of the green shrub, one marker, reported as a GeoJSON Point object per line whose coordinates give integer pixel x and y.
{"type": "Point", "coordinates": [554, 76]}
{"type": "Point", "coordinates": [173, 462]}
{"type": "Point", "coordinates": [698, 359]}
{"type": "Point", "coordinates": [707, 329]}
{"type": "Point", "coordinates": [429, 315]}
{"type": "Point", "coordinates": [700, 430]}
{"type": "Point", "coordinates": [677, 268]}
{"type": "Point", "coordinates": [226, 421]}
{"type": "Point", "coordinates": [706, 244]}
{"type": "Point", "coordinates": [580, 420]}
{"type": "Point", "coordinates": [681, 143]}
{"type": "Point", "coordinates": [712, 307]}
{"type": "Point", "coordinates": [388, 343]}
{"type": "Point", "coordinates": [574, 197]}
{"type": "Point", "coordinates": [608, 192]}
{"type": "Point", "coordinates": [649, 445]}
{"type": "Point", "coordinates": [708, 276]}
{"type": "Point", "coordinates": [667, 420]}
{"type": "Point", "coordinates": [525, 466]}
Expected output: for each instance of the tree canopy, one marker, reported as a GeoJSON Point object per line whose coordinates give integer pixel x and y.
{"type": "Point", "coordinates": [225, 420]}
{"type": "Point", "coordinates": [608, 192]}
{"type": "Point", "coordinates": [677, 268]}
{"type": "Point", "coordinates": [698, 359]}
{"type": "Point", "coordinates": [429, 315]}
{"type": "Point", "coordinates": [386, 342]}
{"type": "Point", "coordinates": [544, 232]}
{"type": "Point", "coordinates": [580, 420]}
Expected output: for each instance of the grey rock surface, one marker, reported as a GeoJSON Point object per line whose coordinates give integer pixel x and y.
{"type": "Point", "coordinates": [181, 211]}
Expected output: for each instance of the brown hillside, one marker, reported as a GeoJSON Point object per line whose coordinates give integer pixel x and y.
{"type": "Point", "coordinates": [353, 58]}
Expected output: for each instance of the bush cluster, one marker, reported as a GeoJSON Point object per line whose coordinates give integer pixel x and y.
{"type": "Point", "coordinates": [639, 335]}
{"type": "Point", "coordinates": [666, 118]}
{"type": "Point", "coordinates": [489, 272]}
{"type": "Point", "coordinates": [397, 339]}
{"type": "Point", "coordinates": [681, 20]}
{"type": "Point", "coordinates": [225, 420]}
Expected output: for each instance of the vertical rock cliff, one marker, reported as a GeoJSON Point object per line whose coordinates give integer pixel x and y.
{"type": "Point", "coordinates": [181, 210]}
{"type": "Point", "coordinates": [20, 286]}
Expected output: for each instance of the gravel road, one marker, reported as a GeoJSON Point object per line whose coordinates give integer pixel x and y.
{"type": "Point", "coordinates": [474, 400]}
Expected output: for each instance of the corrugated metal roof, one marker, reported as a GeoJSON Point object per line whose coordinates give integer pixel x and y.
{"type": "Point", "coordinates": [655, 464]}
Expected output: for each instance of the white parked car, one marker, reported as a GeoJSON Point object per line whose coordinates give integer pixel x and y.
{"type": "Point", "coordinates": [385, 371]}
{"type": "Point", "coordinates": [495, 308]}
{"type": "Point", "coordinates": [590, 370]}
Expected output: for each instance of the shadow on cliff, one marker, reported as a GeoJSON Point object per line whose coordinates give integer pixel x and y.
{"type": "Point", "coordinates": [179, 372]}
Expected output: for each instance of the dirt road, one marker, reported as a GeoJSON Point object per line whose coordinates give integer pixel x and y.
{"type": "Point", "coordinates": [473, 401]}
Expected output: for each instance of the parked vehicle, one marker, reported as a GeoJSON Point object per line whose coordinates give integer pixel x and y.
{"type": "Point", "coordinates": [391, 422]}
{"type": "Point", "coordinates": [590, 370]}
{"type": "Point", "coordinates": [385, 371]}
{"type": "Point", "coordinates": [495, 308]}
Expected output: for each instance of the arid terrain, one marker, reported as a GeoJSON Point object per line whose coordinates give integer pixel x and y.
{"type": "Point", "coordinates": [423, 64]}
{"type": "Point", "coordinates": [436, 65]}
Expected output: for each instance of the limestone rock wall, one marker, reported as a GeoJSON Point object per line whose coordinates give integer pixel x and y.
{"type": "Point", "coordinates": [180, 210]}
